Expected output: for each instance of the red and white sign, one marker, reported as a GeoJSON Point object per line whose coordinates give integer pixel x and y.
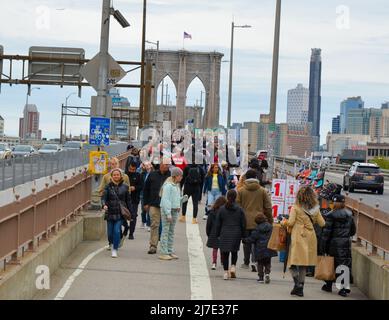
{"type": "Point", "coordinates": [278, 190]}
{"type": "Point", "coordinates": [278, 208]}
{"type": "Point", "coordinates": [292, 187]}
{"type": "Point", "coordinates": [288, 206]}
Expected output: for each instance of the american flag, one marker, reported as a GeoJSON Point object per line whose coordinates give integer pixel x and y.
{"type": "Point", "coordinates": [187, 36]}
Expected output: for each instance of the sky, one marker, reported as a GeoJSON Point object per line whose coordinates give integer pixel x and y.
{"type": "Point", "coordinates": [353, 36]}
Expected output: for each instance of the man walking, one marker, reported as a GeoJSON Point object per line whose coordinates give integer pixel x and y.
{"type": "Point", "coordinates": [136, 186]}
{"type": "Point", "coordinates": [253, 199]}
{"type": "Point", "coordinates": [152, 199]}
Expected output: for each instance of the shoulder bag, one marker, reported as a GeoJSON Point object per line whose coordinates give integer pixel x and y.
{"type": "Point", "coordinates": [123, 209]}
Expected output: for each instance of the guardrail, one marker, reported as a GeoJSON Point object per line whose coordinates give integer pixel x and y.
{"type": "Point", "coordinates": [26, 222]}
{"type": "Point", "coordinates": [372, 226]}
{"type": "Point", "coordinates": [17, 171]}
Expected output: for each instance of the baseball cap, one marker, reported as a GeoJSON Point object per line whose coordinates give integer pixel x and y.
{"type": "Point", "coordinates": [339, 198]}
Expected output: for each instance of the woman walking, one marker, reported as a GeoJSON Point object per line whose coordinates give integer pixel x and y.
{"type": "Point", "coordinates": [116, 194]}
{"type": "Point", "coordinates": [336, 240]}
{"type": "Point", "coordinates": [213, 241]}
{"type": "Point", "coordinates": [230, 229]}
{"type": "Point", "coordinates": [303, 249]}
{"type": "Point", "coordinates": [146, 169]}
{"type": "Point", "coordinates": [214, 185]}
{"type": "Point", "coordinates": [170, 208]}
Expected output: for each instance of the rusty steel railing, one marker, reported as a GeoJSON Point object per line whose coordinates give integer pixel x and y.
{"type": "Point", "coordinates": [372, 225]}
{"type": "Point", "coordinates": [26, 222]}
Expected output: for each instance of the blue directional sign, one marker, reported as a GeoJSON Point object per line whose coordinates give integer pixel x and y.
{"type": "Point", "coordinates": [99, 131]}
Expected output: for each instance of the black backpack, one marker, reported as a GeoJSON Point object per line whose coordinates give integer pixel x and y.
{"type": "Point", "coordinates": [193, 176]}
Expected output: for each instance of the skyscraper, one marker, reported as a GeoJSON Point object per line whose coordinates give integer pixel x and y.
{"type": "Point", "coordinates": [336, 125]}
{"type": "Point", "coordinates": [298, 105]}
{"type": "Point", "coordinates": [345, 107]}
{"type": "Point", "coordinates": [315, 97]}
{"type": "Point", "coordinates": [29, 124]}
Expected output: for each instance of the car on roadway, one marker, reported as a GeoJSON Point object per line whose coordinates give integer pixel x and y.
{"type": "Point", "coordinates": [5, 152]}
{"type": "Point", "coordinates": [73, 145]}
{"type": "Point", "coordinates": [49, 149]}
{"type": "Point", "coordinates": [22, 150]}
{"type": "Point", "coordinates": [366, 176]}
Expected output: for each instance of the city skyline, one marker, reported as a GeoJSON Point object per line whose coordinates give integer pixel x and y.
{"type": "Point", "coordinates": [343, 50]}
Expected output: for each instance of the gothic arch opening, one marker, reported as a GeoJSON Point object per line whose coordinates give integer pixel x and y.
{"type": "Point", "coordinates": [195, 102]}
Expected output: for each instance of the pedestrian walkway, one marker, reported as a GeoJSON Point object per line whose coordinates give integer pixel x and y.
{"type": "Point", "coordinates": [137, 275]}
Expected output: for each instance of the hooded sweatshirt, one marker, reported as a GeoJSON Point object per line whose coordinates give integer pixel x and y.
{"type": "Point", "coordinates": [170, 197]}
{"type": "Point", "coordinates": [254, 199]}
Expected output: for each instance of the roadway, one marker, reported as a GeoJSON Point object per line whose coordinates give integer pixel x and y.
{"type": "Point", "coordinates": [22, 170]}
{"type": "Point", "coordinates": [90, 273]}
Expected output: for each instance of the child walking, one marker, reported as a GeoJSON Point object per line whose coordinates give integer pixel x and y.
{"type": "Point", "coordinates": [260, 238]}
{"type": "Point", "coordinates": [213, 241]}
{"type": "Point", "coordinates": [230, 228]}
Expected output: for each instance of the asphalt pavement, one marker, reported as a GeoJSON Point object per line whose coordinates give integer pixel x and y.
{"type": "Point", "coordinates": [91, 273]}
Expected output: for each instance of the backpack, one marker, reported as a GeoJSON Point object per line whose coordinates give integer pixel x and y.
{"type": "Point", "coordinates": [193, 176]}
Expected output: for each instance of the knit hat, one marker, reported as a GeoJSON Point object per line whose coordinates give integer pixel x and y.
{"type": "Point", "coordinates": [175, 172]}
{"type": "Point", "coordinates": [260, 218]}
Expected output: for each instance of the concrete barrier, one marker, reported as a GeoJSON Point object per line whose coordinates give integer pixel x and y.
{"type": "Point", "coordinates": [371, 274]}
{"type": "Point", "coordinates": [94, 225]}
{"type": "Point", "coordinates": [19, 281]}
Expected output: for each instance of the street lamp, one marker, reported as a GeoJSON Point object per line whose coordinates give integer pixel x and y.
{"type": "Point", "coordinates": [29, 93]}
{"type": "Point", "coordinates": [233, 26]}
{"type": "Point", "coordinates": [154, 80]}
{"type": "Point", "coordinates": [66, 105]}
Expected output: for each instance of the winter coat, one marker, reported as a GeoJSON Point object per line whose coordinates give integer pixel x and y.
{"type": "Point", "coordinates": [170, 197]}
{"type": "Point", "coordinates": [135, 181]}
{"type": "Point", "coordinates": [260, 237]}
{"type": "Point", "coordinates": [230, 228]}
{"type": "Point", "coordinates": [221, 181]}
{"type": "Point", "coordinates": [115, 194]}
{"type": "Point", "coordinates": [107, 179]}
{"type": "Point", "coordinates": [153, 186]}
{"type": "Point", "coordinates": [336, 236]}
{"type": "Point", "coordinates": [190, 188]}
{"type": "Point", "coordinates": [303, 247]}
{"type": "Point", "coordinates": [213, 241]}
{"type": "Point", "coordinates": [254, 199]}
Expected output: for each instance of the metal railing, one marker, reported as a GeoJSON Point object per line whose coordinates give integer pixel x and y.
{"type": "Point", "coordinates": [372, 226]}
{"type": "Point", "coordinates": [25, 222]}
{"type": "Point", "coordinates": [17, 171]}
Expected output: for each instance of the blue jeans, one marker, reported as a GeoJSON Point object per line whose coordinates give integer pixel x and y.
{"type": "Point", "coordinates": [212, 196]}
{"type": "Point", "coordinates": [114, 232]}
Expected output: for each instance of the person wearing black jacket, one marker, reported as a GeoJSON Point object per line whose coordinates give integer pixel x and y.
{"type": "Point", "coordinates": [115, 194]}
{"type": "Point", "coordinates": [152, 199]}
{"type": "Point", "coordinates": [136, 186]}
{"type": "Point", "coordinates": [193, 180]}
{"type": "Point", "coordinates": [230, 229]}
{"type": "Point", "coordinates": [336, 240]}
{"type": "Point", "coordinates": [260, 238]}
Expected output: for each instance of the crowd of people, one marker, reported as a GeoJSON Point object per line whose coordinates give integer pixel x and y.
{"type": "Point", "coordinates": [238, 211]}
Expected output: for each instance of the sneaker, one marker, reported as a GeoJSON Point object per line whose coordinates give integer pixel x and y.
{"type": "Point", "coordinates": [109, 247]}
{"type": "Point", "coordinates": [342, 293]}
{"type": "Point", "coordinates": [205, 217]}
{"type": "Point", "coordinates": [326, 288]}
{"type": "Point", "coordinates": [148, 229]}
{"type": "Point", "coordinates": [114, 253]}
{"type": "Point", "coordinates": [182, 219]}
{"type": "Point", "coordinates": [194, 221]}
{"type": "Point", "coordinates": [253, 268]}
{"type": "Point", "coordinates": [260, 280]}
{"type": "Point", "coordinates": [165, 257]}
{"type": "Point", "coordinates": [152, 251]}
{"type": "Point", "coordinates": [233, 272]}
{"type": "Point", "coordinates": [131, 237]}
{"type": "Point", "coordinates": [226, 276]}
{"type": "Point", "coordinates": [213, 266]}
{"type": "Point", "coordinates": [121, 241]}
{"type": "Point", "coordinates": [244, 266]}
{"type": "Point", "coordinates": [174, 256]}
{"type": "Point", "coordinates": [267, 278]}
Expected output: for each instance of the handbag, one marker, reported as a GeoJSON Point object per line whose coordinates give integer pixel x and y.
{"type": "Point", "coordinates": [277, 241]}
{"type": "Point", "coordinates": [123, 209]}
{"type": "Point", "coordinates": [325, 268]}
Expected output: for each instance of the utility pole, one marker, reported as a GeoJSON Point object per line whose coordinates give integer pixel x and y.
{"type": "Point", "coordinates": [142, 76]}
{"type": "Point", "coordinates": [230, 78]}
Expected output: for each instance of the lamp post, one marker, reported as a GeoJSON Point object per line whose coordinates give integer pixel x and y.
{"type": "Point", "coordinates": [233, 26]}
{"type": "Point", "coordinates": [154, 104]}
{"type": "Point", "coordinates": [38, 88]}
{"type": "Point", "coordinates": [66, 105]}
